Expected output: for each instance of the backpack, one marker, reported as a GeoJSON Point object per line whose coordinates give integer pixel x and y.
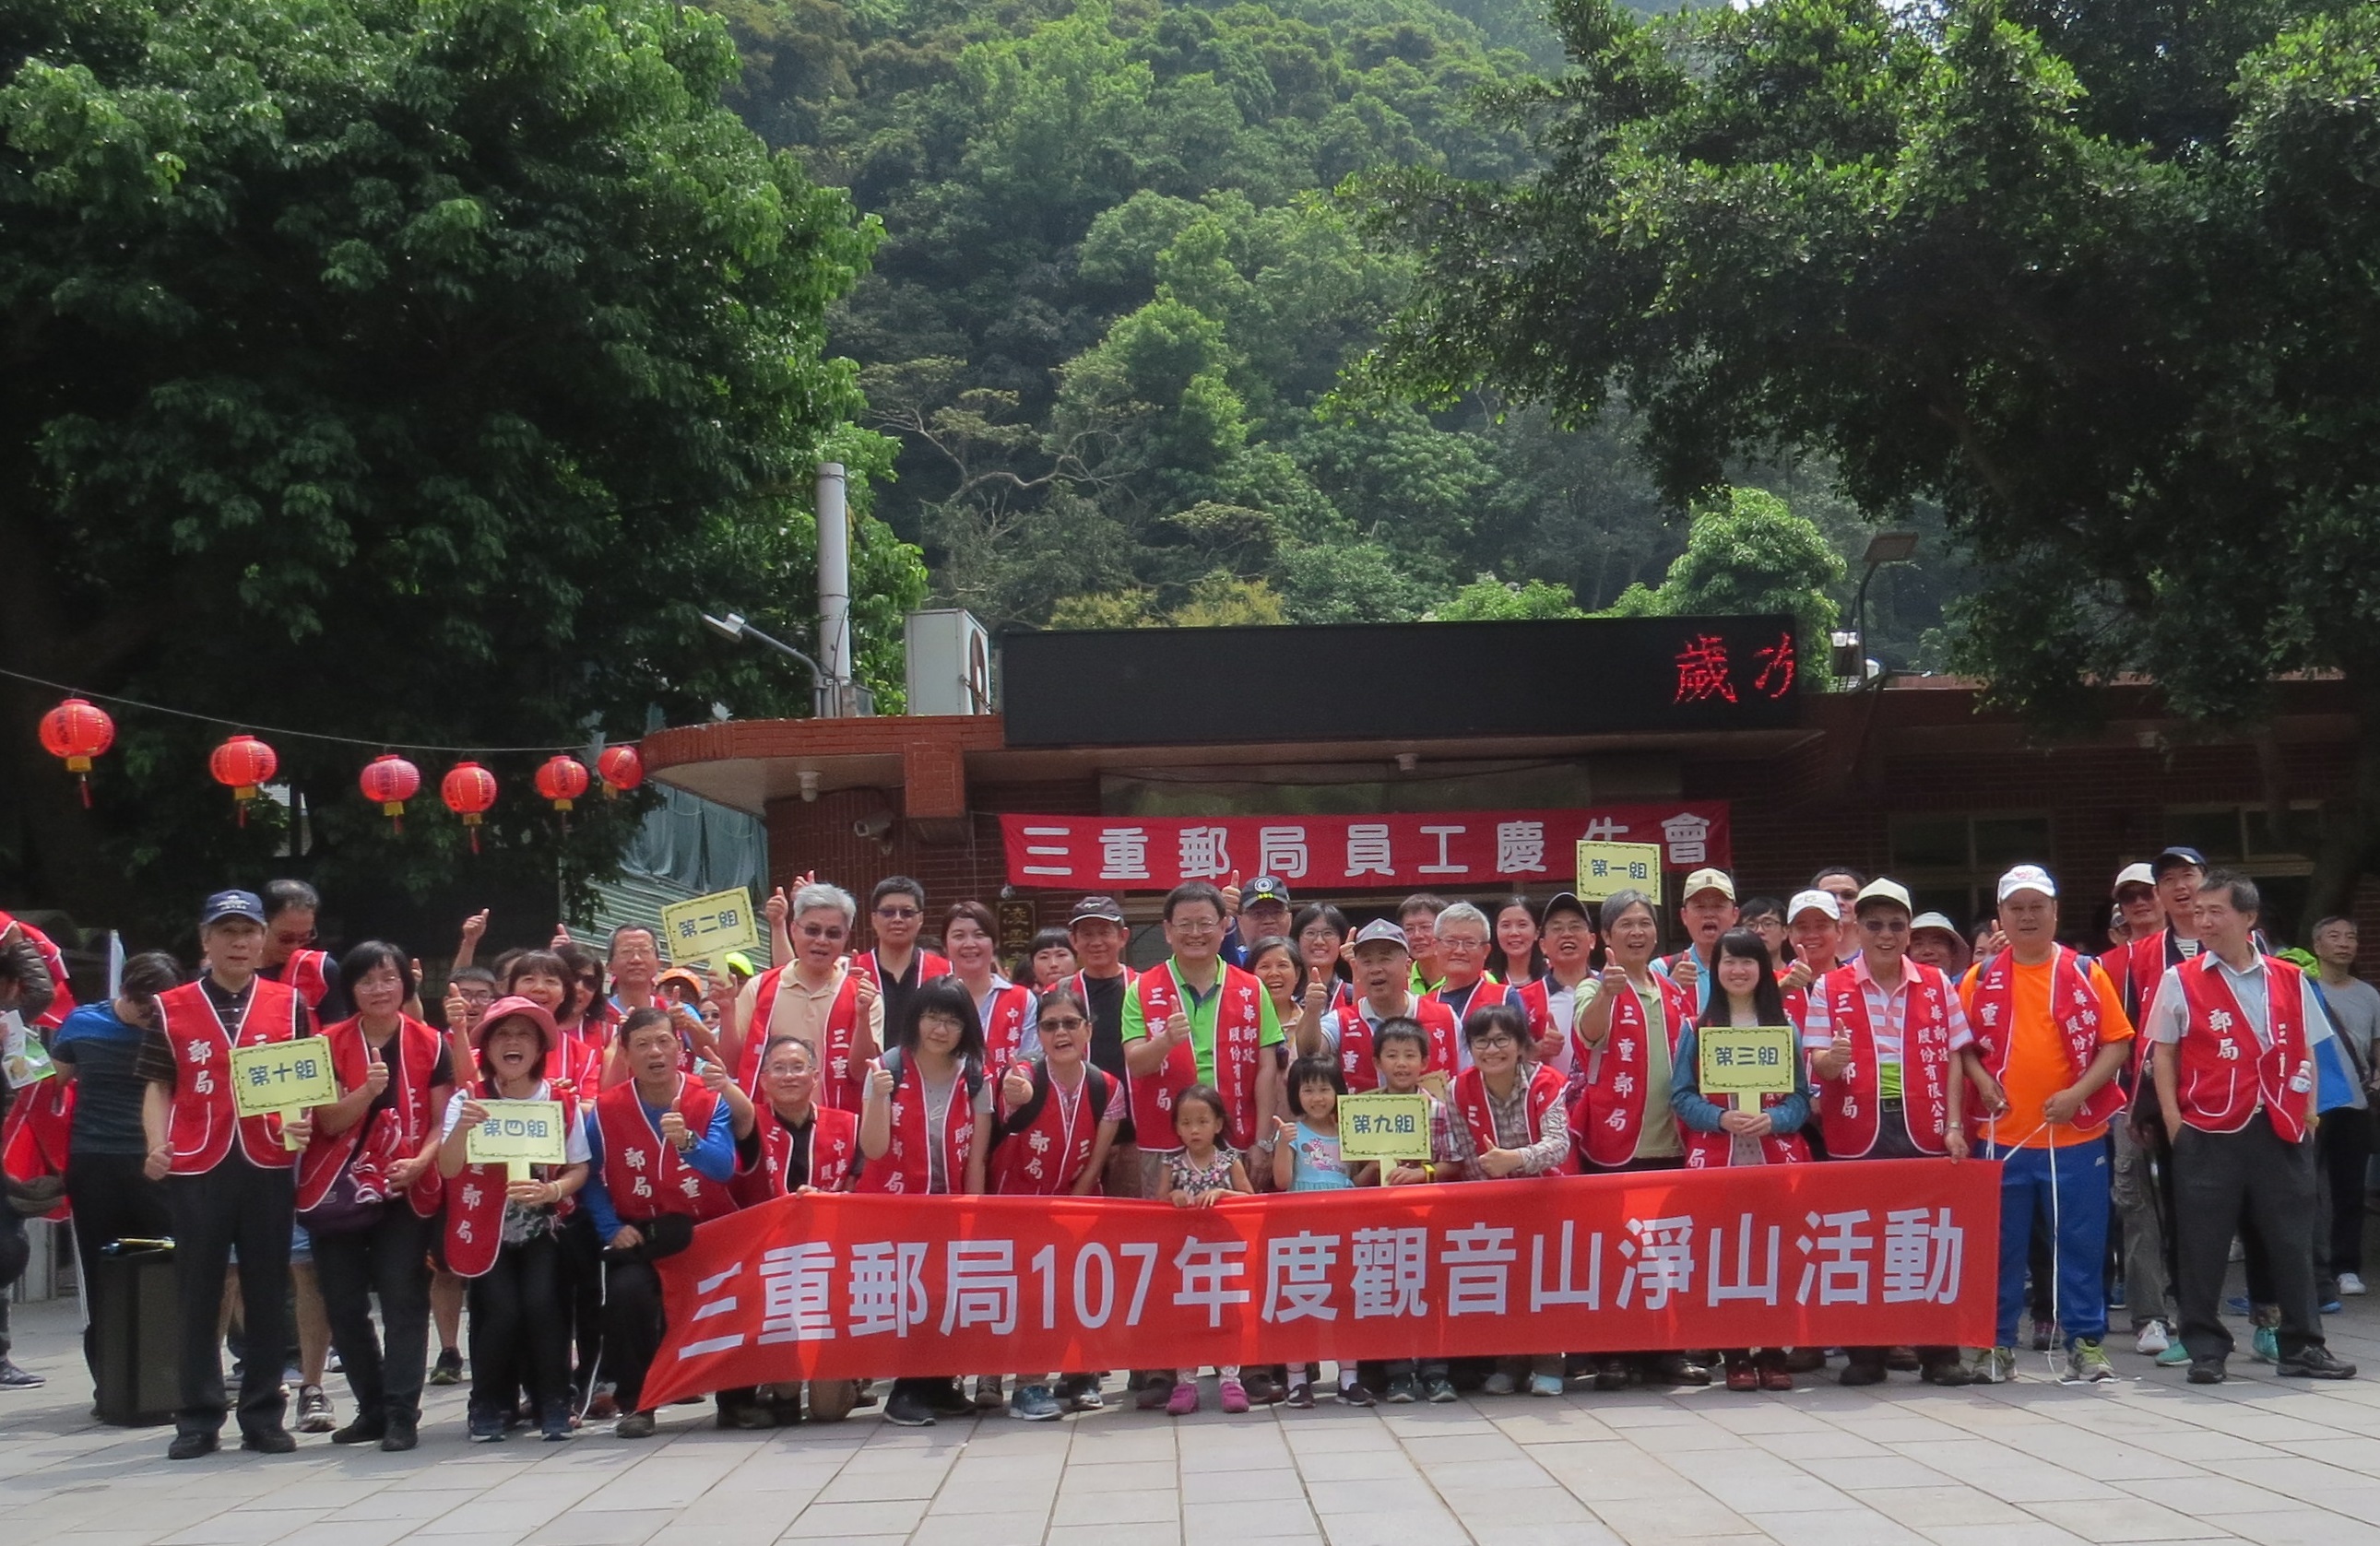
{"type": "Point", "coordinates": [1098, 1086]}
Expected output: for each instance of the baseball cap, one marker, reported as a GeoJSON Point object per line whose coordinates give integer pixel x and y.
{"type": "Point", "coordinates": [1380, 929]}
{"type": "Point", "coordinates": [1103, 908]}
{"type": "Point", "coordinates": [2133, 874]}
{"type": "Point", "coordinates": [2175, 857]}
{"type": "Point", "coordinates": [1709, 880]}
{"type": "Point", "coordinates": [1563, 901]}
{"type": "Point", "coordinates": [505, 1008]}
{"type": "Point", "coordinates": [1882, 890]}
{"type": "Point", "coordinates": [1265, 888]}
{"type": "Point", "coordinates": [739, 963]}
{"type": "Point", "coordinates": [1936, 921]}
{"type": "Point", "coordinates": [232, 904]}
{"type": "Point", "coordinates": [1814, 901]}
{"type": "Point", "coordinates": [2027, 878]}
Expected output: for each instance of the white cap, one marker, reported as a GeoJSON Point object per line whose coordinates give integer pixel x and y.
{"type": "Point", "coordinates": [1881, 890]}
{"type": "Point", "coordinates": [2027, 878]}
{"type": "Point", "coordinates": [1381, 929]}
{"type": "Point", "coordinates": [1819, 901]}
{"type": "Point", "coordinates": [1924, 921]}
{"type": "Point", "coordinates": [1709, 880]}
{"type": "Point", "coordinates": [2133, 875]}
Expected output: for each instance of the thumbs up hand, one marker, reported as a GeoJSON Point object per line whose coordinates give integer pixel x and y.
{"type": "Point", "coordinates": [879, 1078]}
{"type": "Point", "coordinates": [675, 1131]}
{"type": "Point", "coordinates": [1232, 897]}
{"type": "Point", "coordinates": [1018, 1086]}
{"type": "Point", "coordinates": [375, 1073]}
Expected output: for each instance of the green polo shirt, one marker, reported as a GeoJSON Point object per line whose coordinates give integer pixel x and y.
{"type": "Point", "coordinates": [1201, 1009]}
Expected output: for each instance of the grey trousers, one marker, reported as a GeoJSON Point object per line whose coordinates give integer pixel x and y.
{"type": "Point", "coordinates": [2148, 1292]}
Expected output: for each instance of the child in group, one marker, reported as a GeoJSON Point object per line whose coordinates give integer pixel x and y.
{"type": "Point", "coordinates": [1306, 1158]}
{"type": "Point", "coordinates": [1195, 1175]}
{"type": "Point", "coordinates": [1401, 1054]}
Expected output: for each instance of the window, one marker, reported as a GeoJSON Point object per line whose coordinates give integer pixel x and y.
{"type": "Point", "coordinates": [1950, 864]}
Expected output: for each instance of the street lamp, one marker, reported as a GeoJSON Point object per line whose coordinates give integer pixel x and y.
{"type": "Point", "coordinates": [1850, 649]}
{"type": "Point", "coordinates": [826, 694]}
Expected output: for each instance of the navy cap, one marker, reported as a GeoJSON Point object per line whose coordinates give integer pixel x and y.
{"type": "Point", "coordinates": [232, 904]}
{"type": "Point", "coordinates": [1265, 888]}
{"type": "Point", "coordinates": [1563, 901]}
{"type": "Point", "coordinates": [2175, 857]}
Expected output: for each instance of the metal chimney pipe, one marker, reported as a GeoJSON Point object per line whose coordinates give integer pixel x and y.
{"type": "Point", "coordinates": [835, 592]}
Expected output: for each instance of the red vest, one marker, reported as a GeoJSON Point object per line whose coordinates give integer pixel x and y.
{"type": "Point", "coordinates": [647, 1175]}
{"type": "Point", "coordinates": [396, 1132]}
{"type": "Point", "coordinates": [833, 1143]}
{"type": "Point", "coordinates": [2073, 1004]}
{"type": "Point", "coordinates": [2140, 972]}
{"type": "Point", "coordinates": [1238, 1021]}
{"type": "Point", "coordinates": [203, 1114]}
{"type": "Point", "coordinates": [64, 1003]}
{"type": "Point", "coordinates": [1045, 1156]}
{"type": "Point", "coordinates": [1545, 1092]}
{"type": "Point", "coordinates": [1851, 1107]}
{"type": "Point", "coordinates": [1610, 1115]}
{"type": "Point", "coordinates": [2224, 1072]}
{"type": "Point", "coordinates": [580, 1061]}
{"type": "Point", "coordinates": [1003, 1029]}
{"type": "Point", "coordinates": [907, 1168]}
{"type": "Point", "coordinates": [474, 1198]}
{"type": "Point", "coordinates": [1356, 1042]}
{"type": "Point", "coordinates": [840, 1084]}
{"type": "Point", "coordinates": [1489, 991]}
{"type": "Point", "coordinates": [306, 974]}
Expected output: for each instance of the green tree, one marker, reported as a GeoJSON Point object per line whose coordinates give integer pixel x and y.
{"type": "Point", "coordinates": [2094, 278]}
{"type": "Point", "coordinates": [399, 371]}
{"type": "Point", "coordinates": [1750, 554]}
{"type": "Point", "coordinates": [1489, 599]}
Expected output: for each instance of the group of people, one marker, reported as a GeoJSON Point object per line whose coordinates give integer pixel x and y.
{"type": "Point", "coordinates": [2178, 1080]}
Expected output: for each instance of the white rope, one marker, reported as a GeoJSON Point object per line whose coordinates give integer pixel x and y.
{"type": "Point", "coordinates": [2057, 1235]}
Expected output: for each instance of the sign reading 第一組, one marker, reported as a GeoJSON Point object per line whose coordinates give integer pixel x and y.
{"type": "Point", "coordinates": [1604, 868]}
{"type": "Point", "coordinates": [1381, 1125]}
{"type": "Point", "coordinates": [707, 927]}
{"type": "Point", "coordinates": [1748, 1061]}
{"type": "Point", "coordinates": [276, 1078]}
{"type": "Point", "coordinates": [529, 1131]}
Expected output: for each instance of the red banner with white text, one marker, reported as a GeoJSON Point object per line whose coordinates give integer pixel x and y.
{"type": "Point", "coordinates": [1886, 1252]}
{"type": "Point", "coordinates": [1448, 850]}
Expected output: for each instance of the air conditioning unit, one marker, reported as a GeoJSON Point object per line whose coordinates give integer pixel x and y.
{"type": "Point", "coordinates": [950, 663]}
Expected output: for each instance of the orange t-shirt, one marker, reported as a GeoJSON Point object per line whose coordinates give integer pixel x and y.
{"type": "Point", "coordinates": [2037, 1068]}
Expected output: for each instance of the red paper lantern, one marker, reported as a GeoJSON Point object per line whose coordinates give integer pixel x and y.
{"type": "Point", "coordinates": [241, 765]}
{"type": "Point", "coordinates": [562, 779]}
{"type": "Point", "coordinates": [389, 781]}
{"type": "Point", "coordinates": [75, 731]}
{"type": "Point", "coordinates": [621, 768]}
{"type": "Point", "coordinates": [468, 789]}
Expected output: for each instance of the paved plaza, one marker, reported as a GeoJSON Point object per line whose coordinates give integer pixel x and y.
{"type": "Point", "coordinates": [2033, 1464]}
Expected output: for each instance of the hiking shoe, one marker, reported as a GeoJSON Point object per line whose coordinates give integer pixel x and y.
{"type": "Point", "coordinates": [1036, 1404]}
{"type": "Point", "coordinates": [1355, 1396]}
{"type": "Point", "coordinates": [486, 1425]}
{"type": "Point", "coordinates": [1403, 1391]}
{"type": "Point", "coordinates": [906, 1408]}
{"type": "Point", "coordinates": [189, 1446]}
{"type": "Point", "coordinates": [2154, 1339]}
{"type": "Point", "coordinates": [269, 1441]}
{"type": "Point", "coordinates": [1438, 1391]}
{"type": "Point", "coordinates": [2314, 1361]}
{"type": "Point", "coordinates": [314, 1413]}
{"type": "Point", "coordinates": [2206, 1371]}
{"type": "Point", "coordinates": [635, 1425]}
{"type": "Point", "coordinates": [1993, 1366]}
{"type": "Point", "coordinates": [2088, 1361]}
{"type": "Point", "coordinates": [448, 1369]}
{"type": "Point", "coordinates": [987, 1393]}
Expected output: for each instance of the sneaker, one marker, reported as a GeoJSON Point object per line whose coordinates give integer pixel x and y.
{"type": "Point", "coordinates": [906, 1408]}
{"type": "Point", "coordinates": [314, 1413]}
{"type": "Point", "coordinates": [1185, 1399]}
{"type": "Point", "coordinates": [1949, 1373]}
{"type": "Point", "coordinates": [1036, 1404]}
{"type": "Point", "coordinates": [2265, 1347]}
{"type": "Point", "coordinates": [448, 1369]}
{"type": "Point", "coordinates": [1083, 1395]}
{"type": "Point", "coordinates": [269, 1441]}
{"type": "Point", "coordinates": [1501, 1383]}
{"type": "Point", "coordinates": [635, 1425]}
{"type": "Point", "coordinates": [1154, 1391]}
{"type": "Point", "coordinates": [189, 1446]}
{"type": "Point", "coordinates": [2350, 1284]}
{"type": "Point", "coordinates": [2152, 1340]}
{"type": "Point", "coordinates": [1993, 1366]}
{"type": "Point", "coordinates": [555, 1422]}
{"type": "Point", "coordinates": [1551, 1384]}
{"type": "Point", "coordinates": [2045, 1333]}
{"type": "Point", "coordinates": [2330, 1307]}
{"type": "Point", "coordinates": [2314, 1361]}
{"type": "Point", "coordinates": [1261, 1390]}
{"type": "Point", "coordinates": [988, 1398]}
{"type": "Point", "coordinates": [2173, 1357]}
{"type": "Point", "coordinates": [2206, 1371]}
{"type": "Point", "coordinates": [1234, 1394]}
{"type": "Point", "coordinates": [2238, 1303]}
{"type": "Point", "coordinates": [2117, 1295]}
{"type": "Point", "coordinates": [1301, 1396]}
{"type": "Point", "coordinates": [1860, 1371]}
{"type": "Point", "coordinates": [14, 1377]}
{"type": "Point", "coordinates": [2088, 1361]}
{"type": "Point", "coordinates": [486, 1425]}
{"type": "Point", "coordinates": [1355, 1396]}
{"type": "Point", "coordinates": [1438, 1391]}
{"type": "Point", "coordinates": [1611, 1373]}
{"type": "Point", "coordinates": [948, 1398]}
{"type": "Point", "coordinates": [1403, 1391]}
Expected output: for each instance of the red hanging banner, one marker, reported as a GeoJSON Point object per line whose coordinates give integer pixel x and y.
{"type": "Point", "coordinates": [1443, 850]}
{"type": "Point", "coordinates": [1891, 1252]}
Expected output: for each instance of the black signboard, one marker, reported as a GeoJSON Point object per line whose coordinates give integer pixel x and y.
{"type": "Point", "coordinates": [1400, 681]}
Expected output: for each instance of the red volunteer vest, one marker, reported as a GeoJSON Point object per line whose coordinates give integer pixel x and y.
{"type": "Point", "coordinates": [63, 1004]}
{"type": "Point", "coordinates": [1850, 1108]}
{"type": "Point", "coordinates": [579, 1059]}
{"type": "Point", "coordinates": [474, 1198]}
{"type": "Point", "coordinates": [834, 1145]}
{"type": "Point", "coordinates": [2076, 1009]}
{"type": "Point", "coordinates": [2226, 1073]}
{"type": "Point", "coordinates": [306, 974]}
{"type": "Point", "coordinates": [395, 1134]}
{"type": "Point", "coordinates": [1612, 1103]}
{"type": "Point", "coordinates": [647, 1175]}
{"type": "Point", "coordinates": [1238, 1021]}
{"type": "Point", "coordinates": [906, 1166]}
{"type": "Point", "coordinates": [1545, 1092]}
{"type": "Point", "coordinates": [204, 1116]}
{"type": "Point", "coordinates": [1045, 1156]}
{"type": "Point", "coordinates": [840, 1083]}
{"type": "Point", "coordinates": [1003, 1027]}
{"type": "Point", "coordinates": [1488, 991]}
{"type": "Point", "coordinates": [1356, 1042]}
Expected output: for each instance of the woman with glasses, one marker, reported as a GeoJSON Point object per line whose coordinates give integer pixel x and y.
{"type": "Point", "coordinates": [1511, 1105]}
{"type": "Point", "coordinates": [1320, 933]}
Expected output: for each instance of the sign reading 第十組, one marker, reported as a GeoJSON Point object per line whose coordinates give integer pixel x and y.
{"type": "Point", "coordinates": [1382, 1126]}
{"type": "Point", "coordinates": [1747, 1062]}
{"type": "Point", "coordinates": [276, 1078]}
{"type": "Point", "coordinates": [1606, 868]}
{"type": "Point", "coordinates": [707, 927]}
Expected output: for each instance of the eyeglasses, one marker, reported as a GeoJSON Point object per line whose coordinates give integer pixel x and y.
{"type": "Point", "coordinates": [1196, 926]}
{"type": "Point", "coordinates": [826, 931]}
{"type": "Point", "coordinates": [898, 915]}
{"type": "Point", "coordinates": [1458, 942]}
{"type": "Point", "coordinates": [1499, 1042]}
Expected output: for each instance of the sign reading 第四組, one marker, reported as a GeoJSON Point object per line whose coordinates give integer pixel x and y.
{"type": "Point", "coordinates": [1604, 868]}
{"type": "Point", "coordinates": [526, 1131]}
{"type": "Point", "coordinates": [281, 1078]}
{"type": "Point", "coordinates": [1748, 1061]}
{"type": "Point", "coordinates": [707, 927]}
{"type": "Point", "coordinates": [1381, 1125]}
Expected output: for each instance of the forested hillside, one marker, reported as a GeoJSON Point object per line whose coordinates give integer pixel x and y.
{"type": "Point", "coordinates": [1116, 292]}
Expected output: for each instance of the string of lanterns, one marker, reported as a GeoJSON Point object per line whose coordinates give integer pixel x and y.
{"type": "Point", "coordinates": [78, 731]}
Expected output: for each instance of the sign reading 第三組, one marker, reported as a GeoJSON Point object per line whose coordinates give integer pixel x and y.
{"type": "Point", "coordinates": [841, 1286]}
{"type": "Point", "coordinates": [526, 1131]}
{"type": "Point", "coordinates": [1381, 1125]}
{"type": "Point", "coordinates": [1440, 850]}
{"type": "Point", "coordinates": [704, 929]}
{"type": "Point", "coordinates": [1607, 868]}
{"type": "Point", "coordinates": [275, 1078]}
{"type": "Point", "coordinates": [1748, 1061]}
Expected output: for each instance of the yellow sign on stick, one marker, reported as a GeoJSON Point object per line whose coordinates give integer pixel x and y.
{"type": "Point", "coordinates": [707, 927]}
{"type": "Point", "coordinates": [283, 1078]}
{"type": "Point", "coordinates": [1381, 1125]}
{"type": "Point", "coordinates": [518, 1134]}
{"type": "Point", "coordinates": [1747, 1062]}
{"type": "Point", "coordinates": [1604, 868]}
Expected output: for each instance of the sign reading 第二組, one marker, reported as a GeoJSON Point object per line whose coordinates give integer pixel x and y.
{"type": "Point", "coordinates": [707, 927]}
{"type": "Point", "coordinates": [1381, 1125]}
{"type": "Point", "coordinates": [1604, 868]}
{"type": "Point", "coordinates": [1748, 1061]}
{"type": "Point", "coordinates": [528, 1132]}
{"type": "Point", "coordinates": [277, 1078]}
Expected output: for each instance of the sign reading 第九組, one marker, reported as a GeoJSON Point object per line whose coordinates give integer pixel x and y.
{"type": "Point", "coordinates": [838, 1286]}
{"type": "Point", "coordinates": [1391, 852]}
{"type": "Point", "coordinates": [1382, 1126]}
